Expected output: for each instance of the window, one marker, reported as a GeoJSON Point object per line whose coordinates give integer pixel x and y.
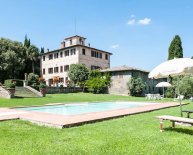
{"type": "Point", "coordinates": [50, 82]}
{"type": "Point", "coordinates": [61, 69]}
{"type": "Point", "coordinates": [55, 69]}
{"type": "Point", "coordinates": [83, 52]}
{"type": "Point", "coordinates": [66, 53]}
{"type": "Point", "coordinates": [92, 53]}
{"type": "Point", "coordinates": [73, 51]}
{"type": "Point", "coordinates": [50, 70]}
{"type": "Point", "coordinates": [61, 54]}
{"type": "Point", "coordinates": [80, 40]}
{"type": "Point", "coordinates": [95, 67]}
{"type": "Point", "coordinates": [66, 68]}
{"type": "Point", "coordinates": [50, 56]}
{"type": "Point", "coordinates": [61, 80]}
{"type": "Point", "coordinates": [100, 55]}
{"type": "Point", "coordinates": [106, 57]}
{"type": "Point", "coordinates": [55, 55]}
{"type": "Point", "coordinates": [96, 54]}
{"type": "Point", "coordinates": [66, 80]}
{"type": "Point", "coordinates": [44, 71]}
{"type": "Point", "coordinates": [44, 58]}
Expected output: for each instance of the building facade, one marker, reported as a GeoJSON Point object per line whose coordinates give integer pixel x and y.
{"type": "Point", "coordinates": [55, 64]}
{"type": "Point", "coordinates": [121, 75]}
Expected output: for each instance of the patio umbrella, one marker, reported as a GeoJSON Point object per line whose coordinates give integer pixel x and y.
{"type": "Point", "coordinates": [163, 84]}
{"type": "Point", "coordinates": [175, 67]}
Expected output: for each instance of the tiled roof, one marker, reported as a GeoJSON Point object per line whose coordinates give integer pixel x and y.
{"type": "Point", "coordinates": [123, 68]}
{"type": "Point", "coordinates": [53, 51]}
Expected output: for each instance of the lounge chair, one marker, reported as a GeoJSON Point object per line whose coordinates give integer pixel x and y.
{"type": "Point", "coordinates": [179, 97]}
{"type": "Point", "coordinates": [173, 119]}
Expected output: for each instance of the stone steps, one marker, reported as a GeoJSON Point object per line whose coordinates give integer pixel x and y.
{"type": "Point", "coordinates": [24, 92]}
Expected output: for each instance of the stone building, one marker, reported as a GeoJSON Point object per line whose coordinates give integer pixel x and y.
{"type": "Point", "coordinates": [55, 64]}
{"type": "Point", "coordinates": [121, 75]}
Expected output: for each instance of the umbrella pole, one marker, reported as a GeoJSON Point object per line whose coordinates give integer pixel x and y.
{"type": "Point", "coordinates": [181, 114]}
{"type": "Point", "coordinates": [181, 107]}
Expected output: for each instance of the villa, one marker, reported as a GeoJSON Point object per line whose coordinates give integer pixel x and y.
{"type": "Point", "coordinates": [55, 64]}
{"type": "Point", "coordinates": [121, 75]}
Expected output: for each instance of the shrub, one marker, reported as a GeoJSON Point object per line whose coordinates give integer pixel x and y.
{"type": "Point", "coordinates": [9, 83]}
{"type": "Point", "coordinates": [170, 92]}
{"type": "Point", "coordinates": [97, 82]}
{"type": "Point", "coordinates": [136, 86]}
{"type": "Point", "coordinates": [33, 79]}
{"type": "Point", "coordinates": [15, 81]}
{"type": "Point", "coordinates": [42, 86]}
{"type": "Point", "coordinates": [61, 86]}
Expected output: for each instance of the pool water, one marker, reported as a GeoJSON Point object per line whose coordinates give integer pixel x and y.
{"type": "Point", "coordinates": [82, 108]}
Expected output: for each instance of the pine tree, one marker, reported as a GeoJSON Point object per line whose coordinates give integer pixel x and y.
{"type": "Point", "coordinates": [175, 49]}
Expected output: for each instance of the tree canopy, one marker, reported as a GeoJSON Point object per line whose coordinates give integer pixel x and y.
{"type": "Point", "coordinates": [136, 86]}
{"type": "Point", "coordinates": [98, 82]}
{"type": "Point", "coordinates": [78, 74]}
{"type": "Point", "coordinates": [175, 49]}
{"type": "Point", "coordinates": [15, 60]}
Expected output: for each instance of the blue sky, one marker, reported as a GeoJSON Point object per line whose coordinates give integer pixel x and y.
{"type": "Point", "coordinates": [137, 32]}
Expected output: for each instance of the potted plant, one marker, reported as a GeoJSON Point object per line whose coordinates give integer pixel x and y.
{"type": "Point", "coordinates": [42, 88]}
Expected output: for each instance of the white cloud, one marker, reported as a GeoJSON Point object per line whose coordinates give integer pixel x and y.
{"type": "Point", "coordinates": [131, 22]}
{"type": "Point", "coordinates": [115, 46]}
{"type": "Point", "coordinates": [145, 21]}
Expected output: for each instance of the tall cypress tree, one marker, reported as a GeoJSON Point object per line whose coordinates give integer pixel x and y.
{"type": "Point", "coordinates": [27, 42]}
{"type": "Point", "coordinates": [175, 49]}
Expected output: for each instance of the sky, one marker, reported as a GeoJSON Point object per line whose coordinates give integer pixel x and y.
{"type": "Point", "coordinates": [137, 32]}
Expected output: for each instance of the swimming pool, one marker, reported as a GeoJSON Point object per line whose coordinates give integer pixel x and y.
{"type": "Point", "coordinates": [83, 108]}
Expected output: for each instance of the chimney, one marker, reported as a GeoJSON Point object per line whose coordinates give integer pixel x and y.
{"type": "Point", "coordinates": [47, 49]}
{"type": "Point", "coordinates": [89, 44]}
{"type": "Point", "coordinates": [62, 44]}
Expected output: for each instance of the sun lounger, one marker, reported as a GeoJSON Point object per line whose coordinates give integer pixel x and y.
{"type": "Point", "coordinates": [181, 97]}
{"type": "Point", "coordinates": [173, 119]}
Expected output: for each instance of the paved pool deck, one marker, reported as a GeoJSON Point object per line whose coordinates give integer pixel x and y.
{"type": "Point", "coordinates": [62, 121]}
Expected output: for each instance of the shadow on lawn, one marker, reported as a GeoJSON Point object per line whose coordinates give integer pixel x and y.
{"type": "Point", "coordinates": [180, 130]}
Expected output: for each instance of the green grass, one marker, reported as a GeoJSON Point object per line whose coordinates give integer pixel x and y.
{"type": "Point", "coordinates": [71, 97]}
{"type": "Point", "coordinates": [136, 134]}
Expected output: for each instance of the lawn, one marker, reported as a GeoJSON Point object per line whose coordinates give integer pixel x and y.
{"type": "Point", "coordinates": [136, 134]}
{"type": "Point", "coordinates": [71, 97]}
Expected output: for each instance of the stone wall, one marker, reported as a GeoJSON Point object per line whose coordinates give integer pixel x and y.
{"type": "Point", "coordinates": [57, 90]}
{"type": "Point", "coordinates": [119, 83]}
{"type": "Point", "coordinates": [119, 80]}
{"type": "Point", "coordinates": [4, 93]}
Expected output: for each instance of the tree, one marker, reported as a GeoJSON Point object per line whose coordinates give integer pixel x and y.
{"type": "Point", "coordinates": [136, 86]}
{"type": "Point", "coordinates": [97, 82]}
{"type": "Point", "coordinates": [186, 86]}
{"type": "Point", "coordinates": [175, 49]}
{"type": "Point", "coordinates": [32, 55]}
{"type": "Point", "coordinates": [12, 58]}
{"type": "Point", "coordinates": [78, 74]}
{"type": "Point", "coordinates": [27, 42]}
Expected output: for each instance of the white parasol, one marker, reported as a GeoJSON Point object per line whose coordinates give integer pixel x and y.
{"type": "Point", "coordinates": [175, 67]}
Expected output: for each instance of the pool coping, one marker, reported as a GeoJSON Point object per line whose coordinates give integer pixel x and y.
{"type": "Point", "coordinates": [65, 121]}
